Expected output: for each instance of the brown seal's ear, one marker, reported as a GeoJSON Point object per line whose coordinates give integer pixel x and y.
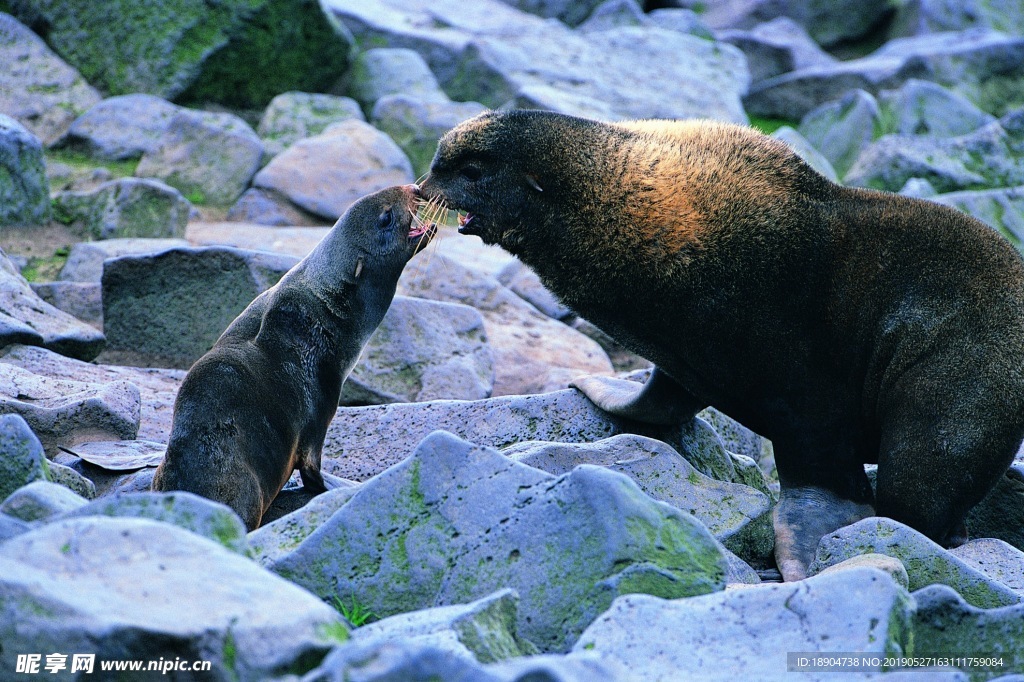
{"type": "Point", "coordinates": [531, 180]}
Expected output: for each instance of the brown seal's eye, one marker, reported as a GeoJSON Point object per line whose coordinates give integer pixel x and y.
{"type": "Point", "coordinates": [471, 172]}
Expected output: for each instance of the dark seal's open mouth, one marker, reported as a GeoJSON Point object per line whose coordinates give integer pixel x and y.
{"type": "Point", "coordinates": [467, 223]}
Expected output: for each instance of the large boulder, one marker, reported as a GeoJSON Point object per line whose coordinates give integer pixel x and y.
{"type": "Point", "coordinates": [209, 156]}
{"type": "Point", "coordinates": [27, 319]}
{"type": "Point", "coordinates": [293, 116]}
{"type": "Point", "coordinates": [326, 174]}
{"type": "Point", "coordinates": [533, 353]}
{"type": "Point", "coordinates": [123, 127]}
{"type": "Point", "coordinates": [127, 207]}
{"type": "Point", "coordinates": [201, 601]}
{"type": "Point", "coordinates": [986, 67]}
{"type": "Point", "coordinates": [423, 350]}
{"type": "Point", "coordinates": [488, 52]}
{"type": "Point", "coordinates": [167, 309]}
{"type": "Point", "coordinates": [36, 86]}
{"type": "Point", "coordinates": [755, 633]}
{"type": "Point", "coordinates": [22, 459]}
{"type": "Point", "coordinates": [455, 522]}
{"type": "Point", "coordinates": [24, 189]}
{"type": "Point", "coordinates": [239, 53]}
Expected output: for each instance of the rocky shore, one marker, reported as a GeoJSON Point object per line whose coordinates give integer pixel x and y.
{"type": "Point", "coordinates": [160, 166]}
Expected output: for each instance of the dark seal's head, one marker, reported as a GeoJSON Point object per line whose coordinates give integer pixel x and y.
{"type": "Point", "coordinates": [514, 175]}
{"type": "Point", "coordinates": [375, 237]}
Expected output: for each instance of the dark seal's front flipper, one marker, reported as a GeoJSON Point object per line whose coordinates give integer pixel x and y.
{"type": "Point", "coordinates": [801, 518]}
{"type": "Point", "coordinates": [660, 401]}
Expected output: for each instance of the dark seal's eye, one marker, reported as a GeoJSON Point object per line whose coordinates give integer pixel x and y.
{"type": "Point", "coordinates": [384, 221]}
{"type": "Point", "coordinates": [471, 172]}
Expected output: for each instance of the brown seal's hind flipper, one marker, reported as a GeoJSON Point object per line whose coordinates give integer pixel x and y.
{"type": "Point", "coordinates": [660, 401]}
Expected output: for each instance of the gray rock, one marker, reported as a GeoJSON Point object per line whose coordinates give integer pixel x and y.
{"type": "Point", "coordinates": [382, 71]}
{"type": "Point", "coordinates": [250, 624]}
{"type": "Point", "coordinates": [267, 207]}
{"type": "Point", "coordinates": [398, 660]}
{"type": "Point", "coordinates": [746, 634]}
{"type": "Point", "coordinates": [806, 151]}
{"type": "Point", "coordinates": [737, 515]}
{"type": "Point", "coordinates": [26, 318]}
{"type": "Point", "coordinates": [293, 116]}
{"type": "Point", "coordinates": [989, 157]}
{"type": "Point", "coordinates": [842, 129]}
{"type": "Point", "coordinates": [533, 353]}
{"type": "Point", "coordinates": [85, 260]}
{"type": "Point", "coordinates": [525, 283]}
{"type": "Point", "coordinates": [64, 412]}
{"type": "Point", "coordinates": [295, 241]}
{"type": "Point", "coordinates": [1002, 209]}
{"type": "Point", "coordinates": [925, 561]}
{"type": "Point", "coordinates": [198, 515]}
{"type": "Point", "coordinates": [571, 12]}
{"type": "Point", "coordinates": [776, 47]}
{"type": "Point", "coordinates": [41, 501]}
{"type": "Point", "coordinates": [423, 350]}
{"type": "Point", "coordinates": [22, 459]}
{"type": "Point", "coordinates": [613, 14]}
{"type": "Point", "coordinates": [918, 187]}
{"type": "Point", "coordinates": [487, 52]}
{"type": "Point", "coordinates": [167, 309]}
{"type": "Point", "coordinates": [923, 108]}
{"type": "Point", "coordinates": [984, 67]}
{"type": "Point", "coordinates": [121, 455]}
{"type": "Point", "coordinates": [209, 157]}
{"type": "Point", "coordinates": [126, 207]}
{"type": "Point", "coordinates": [455, 522]}
{"type": "Point", "coordinates": [10, 527]}
{"type": "Point", "coordinates": [123, 127]}
{"type": "Point", "coordinates": [945, 622]}
{"type": "Point", "coordinates": [1001, 514]}
{"type": "Point", "coordinates": [887, 564]}
{"type": "Point", "coordinates": [81, 300]}
{"type": "Point", "coordinates": [483, 630]}
{"type": "Point", "coordinates": [682, 20]}
{"type": "Point", "coordinates": [275, 539]}
{"type": "Point", "coordinates": [416, 123]}
{"type": "Point", "coordinates": [156, 387]}
{"type": "Point", "coordinates": [235, 54]}
{"type": "Point", "coordinates": [72, 480]}
{"type": "Point", "coordinates": [36, 86]}
{"type": "Point", "coordinates": [996, 559]}
{"type": "Point", "coordinates": [325, 174]}
{"type": "Point", "coordinates": [24, 189]}
{"type": "Point", "coordinates": [919, 17]}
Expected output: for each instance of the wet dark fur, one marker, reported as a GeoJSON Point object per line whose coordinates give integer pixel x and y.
{"type": "Point", "coordinates": [257, 405]}
{"type": "Point", "coordinates": [848, 326]}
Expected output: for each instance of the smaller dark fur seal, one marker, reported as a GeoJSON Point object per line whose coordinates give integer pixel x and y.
{"type": "Point", "coordinates": [849, 326]}
{"type": "Point", "coordinates": [257, 405]}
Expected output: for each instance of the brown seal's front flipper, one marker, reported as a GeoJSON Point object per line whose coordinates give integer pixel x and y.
{"type": "Point", "coordinates": [802, 517]}
{"type": "Point", "coordinates": [660, 401]}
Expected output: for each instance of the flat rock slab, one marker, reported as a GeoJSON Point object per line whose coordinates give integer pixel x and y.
{"type": "Point", "coordinates": [85, 260]}
{"type": "Point", "coordinates": [926, 562]}
{"type": "Point", "coordinates": [293, 241]}
{"type": "Point", "coordinates": [249, 623]}
{"type": "Point", "coordinates": [749, 633]}
{"type": "Point", "coordinates": [455, 522]}
{"type": "Point", "coordinates": [63, 412]}
{"type": "Point", "coordinates": [27, 319]}
{"type": "Point", "coordinates": [156, 387]}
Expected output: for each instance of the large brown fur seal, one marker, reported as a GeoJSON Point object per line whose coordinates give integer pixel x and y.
{"type": "Point", "coordinates": [257, 406]}
{"type": "Point", "coordinates": [849, 326]}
